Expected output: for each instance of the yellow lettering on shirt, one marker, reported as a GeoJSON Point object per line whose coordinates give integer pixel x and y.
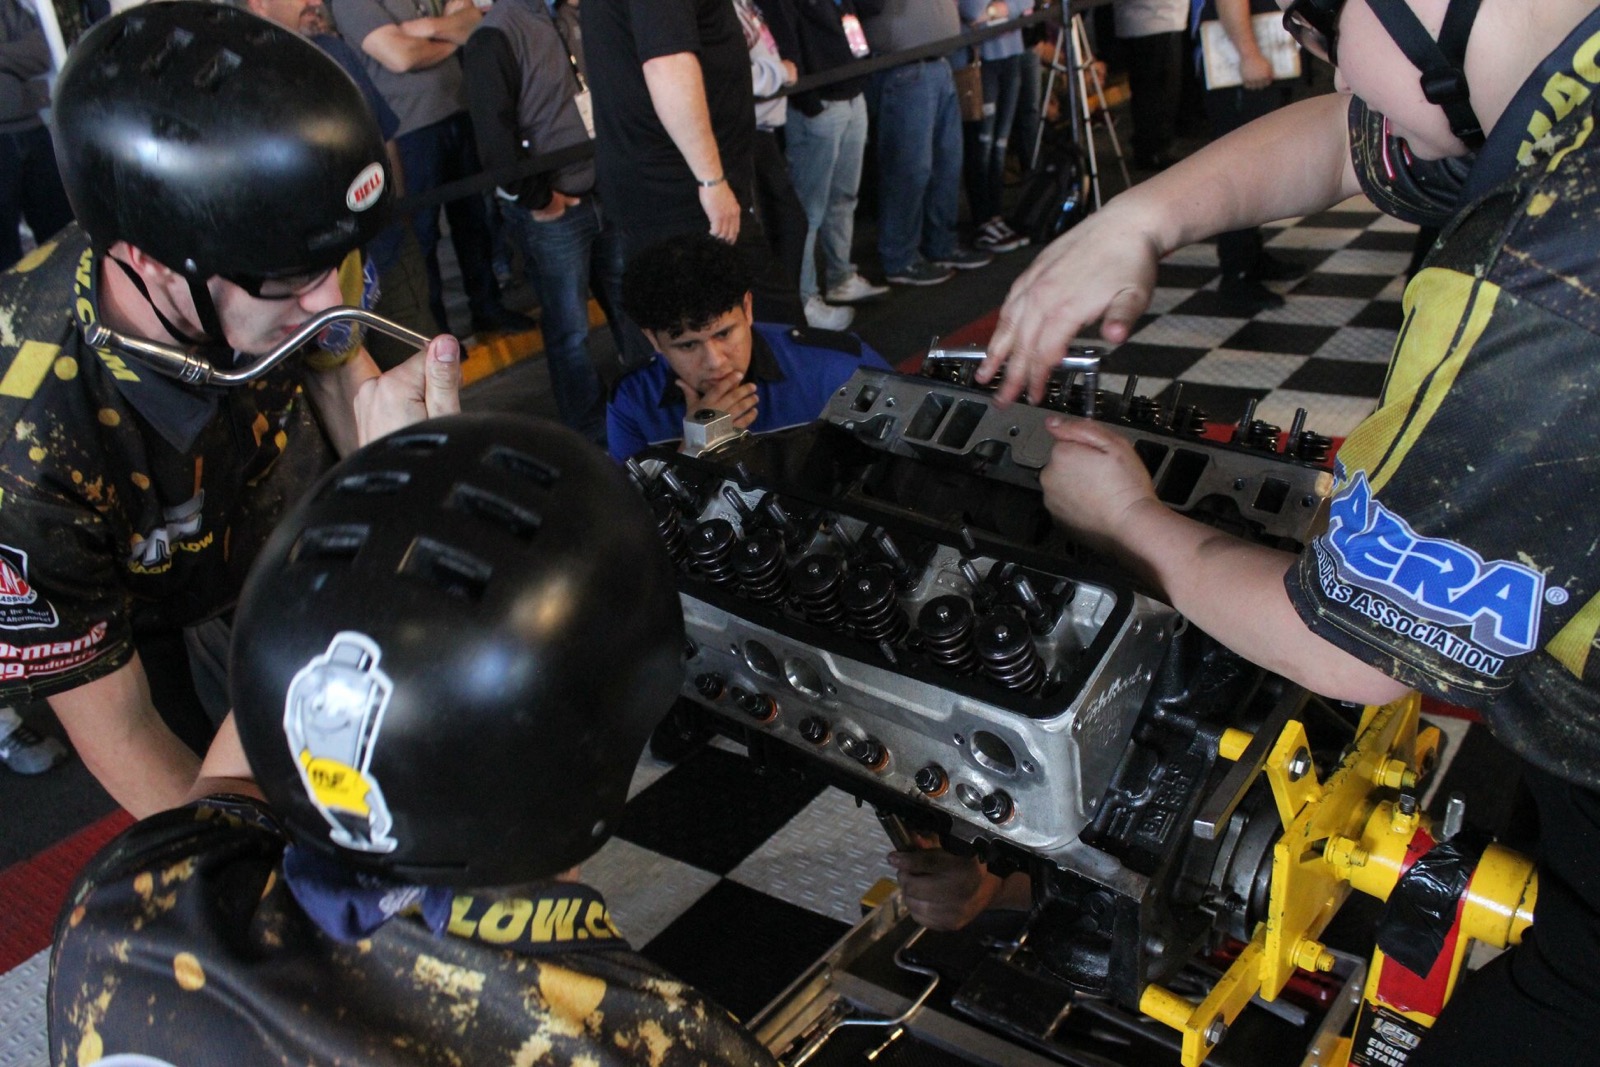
{"type": "Point", "coordinates": [597, 921]}
{"type": "Point", "coordinates": [1563, 93]}
{"type": "Point", "coordinates": [1584, 60]}
{"type": "Point", "coordinates": [28, 368]}
{"type": "Point", "coordinates": [460, 925]}
{"type": "Point", "coordinates": [505, 920]}
{"type": "Point", "coordinates": [554, 920]}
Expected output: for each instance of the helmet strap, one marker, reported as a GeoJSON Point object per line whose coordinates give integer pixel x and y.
{"type": "Point", "coordinates": [1442, 62]}
{"type": "Point", "coordinates": [206, 308]}
{"type": "Point", "coordinates": [166, 323]}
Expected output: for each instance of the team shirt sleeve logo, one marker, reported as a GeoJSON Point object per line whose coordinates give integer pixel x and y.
{"type": "Point", "coordinates": [1432, 579]}
{"type": "Point", "coordinates": [332, 717]}
{"type": "Point", "coordinates": [21, 607]}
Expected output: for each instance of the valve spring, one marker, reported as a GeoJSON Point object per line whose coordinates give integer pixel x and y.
{"type": "Point", "coordinates": [1078, 397]}
{"type": "Point", "coordinates": [669, 524]}
{"type": "Point", "coordinates": [712, 545]}
{"type": "Point", "coordinates": [946, 623]}
{"type": "Point", "coordinates": [1005, 645]}
{"type": "Point", "coordinates": [1144, 411]}
{"type": "Point", "coordinates": [1188, 419]}
{"type": "Point", "coordinates": [1312, 447]}
{"type": "Point", "coordinates": [1261, 435]}
{"type": "Point", "coordinates": [816, 587]}
{"type": "Point", "coordinates": [874, 610]}
{"type": "Point", "coordinates": [759, 562]}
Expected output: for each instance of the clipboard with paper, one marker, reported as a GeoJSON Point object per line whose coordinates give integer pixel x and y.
{"type": "Point", "coordinates": [1220, 59]}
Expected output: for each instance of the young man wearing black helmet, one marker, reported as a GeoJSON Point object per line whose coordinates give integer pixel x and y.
{"type": "Point", "coordinates": [222, 171]}
{"type": "Point", "coordinates": [1460, 555]}
{"type": "Point", "coordinates": [440, 692]}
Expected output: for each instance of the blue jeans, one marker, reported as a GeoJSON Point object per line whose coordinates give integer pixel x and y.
{"type": "Point", "coordinates": [30, 188]}
{"type": "Point", "coordinates": [825, 152]}
{"type": "Point", "coordinates": [987, 138]}
{"type": "Point", "coordinates": [561, 257]}
{"type": "Point", "coordinates": [919, 162]}
{"type": "Point", "coordinates": [430, 157]}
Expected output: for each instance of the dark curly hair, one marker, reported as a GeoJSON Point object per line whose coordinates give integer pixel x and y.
{"type": "Point", "coordinates": [684, 283]}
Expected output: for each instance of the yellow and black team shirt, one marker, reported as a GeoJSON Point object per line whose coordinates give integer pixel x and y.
{"type": "Point", "coordinates": [1462, 554]}
{"type": "Point", "coordinates": [127, 500]}
{"type": "Point", "coordinates": [182, 942]}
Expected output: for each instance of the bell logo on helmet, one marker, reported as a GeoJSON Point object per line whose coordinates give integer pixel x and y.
{"type": "Point", "coordinates": [366, 188]}
{"type": "Point", "coordinates": [332, 716]}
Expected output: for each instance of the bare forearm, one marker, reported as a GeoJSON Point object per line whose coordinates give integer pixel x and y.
{"type": "Point", "coordinates": [118, 733]}
{"type": "Point", "coordinates": [333, 393]}
{"type": "Point", "coordinates": [453, 28]}
{"type": "Point", "coordinates": [1234, 591]}
{"type": "Point", "coordinates": [1292, 162]}
{"type": "Point", "coordinates": [1235, 18]}
{"type": "Point", "coordinates": [678, 93]}
{"type": "Point", "coordinates": [400, 53]}
{"type": "Point", "coordinates": [225, 770]}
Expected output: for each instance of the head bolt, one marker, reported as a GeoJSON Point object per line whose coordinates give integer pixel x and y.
{"type": "Point", "coordinates": [932, 779]}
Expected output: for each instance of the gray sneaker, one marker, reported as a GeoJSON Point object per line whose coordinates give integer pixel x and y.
{"type": "Point", "coordinates": [852, 289]}
{"type": "Point", "coordinates": [920, 273]}
{"type": "Point", "coordinates": [963, 259]}
{"type": "Point", "coordinates": [25, 752]}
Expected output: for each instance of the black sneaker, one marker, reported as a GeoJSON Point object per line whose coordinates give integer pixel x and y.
{"type": "Point", "coordinates": [962, 259]}
{"type": "Point", "coordinates": [996, 236]}
{"type": "Point", "coordinates": [25, 752]}
{"type": "Point", "coordinates": [1270, 268]}
{"type": "Point", "coordinates": [920, 273]}
{"type": "Point", "coordinates": [1243, 298]}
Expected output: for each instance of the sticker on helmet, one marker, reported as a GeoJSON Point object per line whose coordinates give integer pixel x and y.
{"type": "Point", "coordinates": [366, 188]}
{"type": "Point", "coordinates": [332, 716]}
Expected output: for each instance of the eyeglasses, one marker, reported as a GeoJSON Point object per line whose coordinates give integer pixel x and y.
{"type": "Point", "coordinates": [1314, 24]}
{"type": "Point", "coordinates": [282, 287]}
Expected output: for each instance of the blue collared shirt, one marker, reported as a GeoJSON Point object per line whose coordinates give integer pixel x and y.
{"type": "Point", "coordinates": [795, 372]}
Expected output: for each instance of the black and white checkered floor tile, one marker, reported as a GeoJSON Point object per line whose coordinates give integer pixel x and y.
{"type": "Point", "coordinates": [1325, 350]}
{"type": "Point", "coordinates": [734, 879]}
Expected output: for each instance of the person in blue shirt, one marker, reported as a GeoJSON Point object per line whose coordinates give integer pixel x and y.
{"type": "Point", "coordinates": [691, 297]}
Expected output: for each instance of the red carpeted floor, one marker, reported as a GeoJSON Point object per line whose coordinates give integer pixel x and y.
{"type": "Point", "coordinates": [32, 892]}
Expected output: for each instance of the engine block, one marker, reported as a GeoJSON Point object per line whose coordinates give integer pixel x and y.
{"type": "Point", "coordinates": [952, 651]}
{"type": "Point", "coordinates": [996, 689]}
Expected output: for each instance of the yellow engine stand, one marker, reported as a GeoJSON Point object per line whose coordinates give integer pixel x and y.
{"type": "Point", "coordinates": [1348, 832]}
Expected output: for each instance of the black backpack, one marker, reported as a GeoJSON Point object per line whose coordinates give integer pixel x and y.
{"type": "Point", "coordinates": [1057, 194]}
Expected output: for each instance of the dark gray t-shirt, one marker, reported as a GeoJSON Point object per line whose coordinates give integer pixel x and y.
{"type": "Point", "coordinates": [419, 97]}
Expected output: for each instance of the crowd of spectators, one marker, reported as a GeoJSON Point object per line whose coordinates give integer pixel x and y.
{"type": "Point", "coordinates": [696, 127]}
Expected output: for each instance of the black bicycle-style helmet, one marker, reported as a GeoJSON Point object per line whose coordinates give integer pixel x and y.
{"type": "Point", "coordinates": [448, 658]}
{"type": "Point", "coordinates": [217, 142]}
